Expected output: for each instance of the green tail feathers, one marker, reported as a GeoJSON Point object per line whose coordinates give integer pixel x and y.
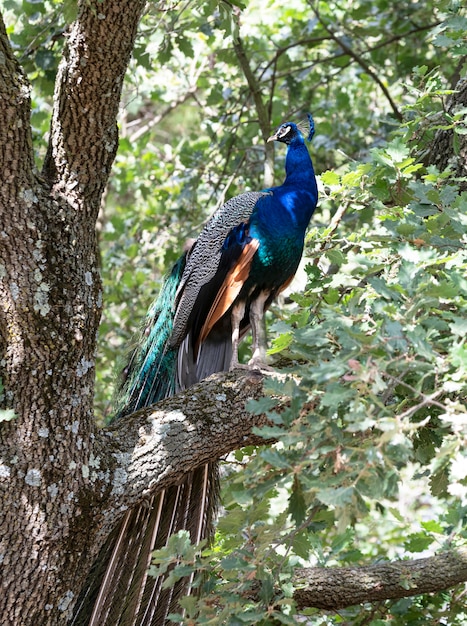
{"type": "Point", "coordinates": [151, 372]}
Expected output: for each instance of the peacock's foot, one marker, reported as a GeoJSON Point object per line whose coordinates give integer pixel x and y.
{"type": "Point", "coordinates": [253, 364]}
{"type": "Point", "coordinates": [235, 365]}
{"type": "Point", "coordinates": [258, 364]}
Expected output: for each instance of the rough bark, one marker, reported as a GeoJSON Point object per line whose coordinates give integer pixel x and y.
{"type": "Point", "coordinates": [336, 588]}
{"type": "Point", "coordinates": [156, 447]}
{"type": "Point", "coordinates": [50, 298]}
{"type": "Point", "coordinates": [448, 147]}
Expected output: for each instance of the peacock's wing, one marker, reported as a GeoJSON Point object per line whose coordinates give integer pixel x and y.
{"type": "Point", "coordinates": [209, 260]}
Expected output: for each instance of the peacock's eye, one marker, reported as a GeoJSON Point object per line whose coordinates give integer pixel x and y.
{"type": "Point", "coordinates": [284, 130]}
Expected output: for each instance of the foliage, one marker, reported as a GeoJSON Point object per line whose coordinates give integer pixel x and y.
{"type": "Point", "coordinates": [370, 460]}
{"type": "Point", "coordinates": [370, 456]}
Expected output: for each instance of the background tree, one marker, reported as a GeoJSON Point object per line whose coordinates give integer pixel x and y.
{"type": "Point", "coordinates": [370, 460]}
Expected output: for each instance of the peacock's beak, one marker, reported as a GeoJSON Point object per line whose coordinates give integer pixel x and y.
{"type": "Point", "coordinates": [272, 138]}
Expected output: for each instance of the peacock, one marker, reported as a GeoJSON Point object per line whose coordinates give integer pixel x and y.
{"type": "Point", "coordinates": [247, 253]}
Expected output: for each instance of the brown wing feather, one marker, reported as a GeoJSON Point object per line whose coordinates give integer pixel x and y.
{"type": "Point", "coordinates": [286, 284]}
{"type": "Point", "coordinates": [229, 290]}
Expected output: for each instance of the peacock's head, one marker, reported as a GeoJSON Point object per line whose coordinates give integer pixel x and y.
{"type": "Point", "coordinates": [289, 131]}
{"type": "Point", "coordinates": [286, 133]}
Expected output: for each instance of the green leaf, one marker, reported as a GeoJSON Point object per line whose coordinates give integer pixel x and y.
{"type": "Point", "coordinates": [398, 151]}
{"type": "Point", "coordinates": [275, 458]}
{"type": "Point", "coordinates": [458, 326]}
{"type": "Point", "coordinates": [330, 178]}
{"type": "Point", "coordinates": [418, 542]}
{"type": "Point", "coordinates": [262, 405]}
{"type": "Point", "coordinates": [281, 343]}
{"type": "Point", "coordinates": [331, 296]}
{"type": "Point", "coordinates": [335, 256]}
{"type": "Point", "coordinates": [266, 592]}
{"type": "Point", "coordinates": [432, 526]}
{"type": "Point", "coordinates": [268, 432]}
{"type": "Point", "coordinates": [233, 562]}
{"type": "Point", "coordinates": [297, 505]}
{"type": "Point", "coordinates": [302, 545]}
{"type": "Point", "coordinates": [70, 10]}
{"type": "Point", "coordinates": [185, 46]}
{"type": "Point", "coordinates": [336, 497]}
{"type": "Point", "coordinates": [439, 482]}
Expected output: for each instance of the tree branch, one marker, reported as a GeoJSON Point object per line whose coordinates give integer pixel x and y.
{"type": "Point", "coordinates": [157, 119]}
{"type": "Point", "coordinates": [155, 447]}
{"type": "Point", "coordinates": [336, 588]}
{"type": "Point", "coordinates": [309, 42]}
{"type": "Point", "coordinates": [16, 154]}
{"type": "Point", "coordinates": [363, 64]}
{"type": "Point", "coordinates": [87, 95]}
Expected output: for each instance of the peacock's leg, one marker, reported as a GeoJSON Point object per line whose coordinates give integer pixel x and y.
{"type": "Point", "coordinates": [238, 311]}
{"type": "Point", "coordinates": [258, 328]}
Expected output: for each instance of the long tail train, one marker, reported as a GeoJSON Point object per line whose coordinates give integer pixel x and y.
{"type": "Point", "coordinates": [119, 591]}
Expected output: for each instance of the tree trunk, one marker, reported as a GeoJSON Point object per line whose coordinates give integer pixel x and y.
{"type": "Point", "coordinates": [51, 301]}
{"type": "Point", "coordinates": [450, 148]}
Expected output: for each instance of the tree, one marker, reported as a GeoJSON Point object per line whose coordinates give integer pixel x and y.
{"type": "Point", "coordinates": [374, 347]}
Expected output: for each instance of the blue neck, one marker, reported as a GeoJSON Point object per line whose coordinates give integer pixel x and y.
{"type": "Point", "coordinates": [298, 166]}
{"type": "Point", "coordinates": [288, 210]}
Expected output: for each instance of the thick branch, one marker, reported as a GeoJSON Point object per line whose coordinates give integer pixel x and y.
{"type": "Point", "coordinates": [361, 61]}
{"type": "Point", "coordinates": [337, 588]}
{"type": "Point", "coordinates": [87, 96]}
{"type": "Point", "coordinates": [443, 151]}
{"type": "Point", "coordinates": [16, 155]}
{"type": "Point", "coordinates": [153, 448]}
{"type": "Point", "coordinates": [156, 447]}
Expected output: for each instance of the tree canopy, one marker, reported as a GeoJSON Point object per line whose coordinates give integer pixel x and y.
{"type": "Point", "coordinates": [368, 417]}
